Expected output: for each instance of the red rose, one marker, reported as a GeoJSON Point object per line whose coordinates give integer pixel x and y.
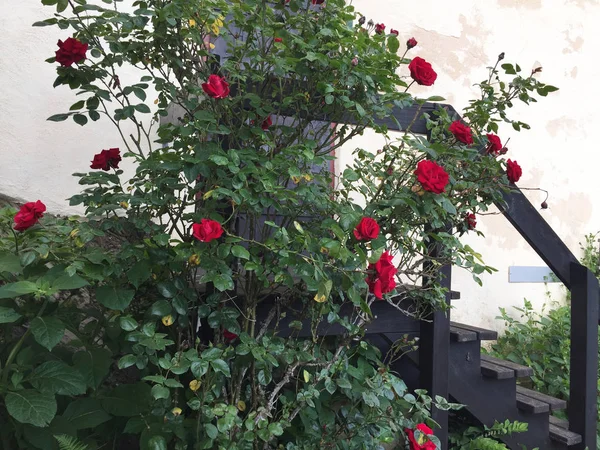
{"type": "Point", "coordinates": [28, 215]}
{"type": "Point", "coordinates": [432, 177]}
{"type": "Point", "coordinates": [461, 132]}
{"type": "Point", "coordinates": [494, 144]}
{"type": "Point", "coordinates": [278, 40]}
{"type": "Point", "coordinates": [318, 2]}
{"type": "Point", "coordinates": [267, 123]}
{"type": "Point", "coordinates": [471, 221]}
{"type": "Point", "coordinates": [71, 51]}
{"type": "Point", "coordinates": [392, 31]}
{"type": "Point", "coordinates": [412, 42]}
{"type": "Point", "coordinates": [513, 171]}
{"type": "Point", "coordinates": [422, 72]}
{"type": "Point", "coordinates": [423, 443]}
{"type": "Point", "coordinates": [207, 230]}
{"type": "Point", "coordinates": [216, 87]}
{"type": "Point", "coordinates": [366, 229]}
{"type": "Point", "coordinates": [379, 28]}
{"type": "Point", "coordinates": [106, 159]}
{"type": "Point", "coordinates": [382, 278]}
{"type": "Point", "coordinates": [229, 336]}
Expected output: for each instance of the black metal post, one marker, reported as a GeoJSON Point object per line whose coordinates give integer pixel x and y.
{"type": "Point", "coordinates": [583, 413]}
{"type": "Point", "coordinates": [434, 349]}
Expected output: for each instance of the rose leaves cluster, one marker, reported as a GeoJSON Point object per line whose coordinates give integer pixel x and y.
{"type": "Point", "coordinates": [29, 214]}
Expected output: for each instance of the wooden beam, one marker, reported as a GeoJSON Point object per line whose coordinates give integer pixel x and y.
{"type": "Point", "coordinates": [582, 409]}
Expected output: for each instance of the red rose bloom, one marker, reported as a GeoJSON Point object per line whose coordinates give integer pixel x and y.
{"type": "Point", "coordinates": [278, 40]}
{"type": "Point", "coordinates": [461, 132]}
{"type": "Point", "coordinates": [71, 51]}
{"type": "Point", "coordinates": [513, 171]}
{"type": "Point", "coordinates": [366, 229]}
{"type": "Point", "coordinates": [422, 72]}
{"type": "Point", "coordinates": [318, 2]}
{"type": "Point", "coordinates": [471, 221]}
{"type": "Point", "coordinates": [207, 230]}
{"type": "Point", "coordinates": [382, 278]}
{"type": "Point", "coordinates": [412, 42]}
{"type": "Point", "coordinates": [28, 215]}
{"type": "Point", "coordinates": [107, 159]}
{"type": "Point", "coordinates": [392, 31]}
{"type": "Point", "coordinates": [494, 144]}
{"type": "Point", "coordinates": [424, 443]}
{"type": "Point", "coordinates": [432, 177]}
{"type": "Point", "coordinates": [379, 28]}
{"type": "Point", "coordinates": [216, 87]}
{"type": "Point", "coordinates": [229, 336]}
{"type": "Point", "coordinates": [267, 123]}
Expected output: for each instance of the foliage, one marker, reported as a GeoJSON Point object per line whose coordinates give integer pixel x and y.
{"type": "Point", "coordinates": [476, 438]}
{"type": "Point", "coordinates": [131, 326]}
{"type": "Point", "coordinates": [69, 443]}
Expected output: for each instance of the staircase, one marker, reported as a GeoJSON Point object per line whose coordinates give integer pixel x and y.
{"type": "Point", "coordinates": [489, 388]}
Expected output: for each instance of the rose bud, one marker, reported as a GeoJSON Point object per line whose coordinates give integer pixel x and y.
{"type": "Point", "coordinates": [544, 205]}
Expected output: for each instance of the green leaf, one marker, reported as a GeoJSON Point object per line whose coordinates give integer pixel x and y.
{"type": "Point", "coordinates": [66, 282]}
{"type": "Point", "coordinates": [29, 406]}
{"type": "Point", "coordinates": [13, 290]}
{"type": "Point", "coordinates": [143, 108]}
{"type": "Point", "coordinates": [509, 69]}
{"type": "Point", "coordinates": [93, 364]}
{"type": "Point", "coordinates": [221, 366]}
{"type": "Point", "coordinates": [219, 160]}
{"type": "Point", "coordinates": [80, 119]}
{"type": "Point", "coordinates": [8, 315]}
{"type": "Point", "coordinates": [127, 323]}
{"type": "Point", "coordinates": [139, 273]}
{"type": "Point", "coordinates": [77, 106]}
{"type": "Point", "coordinates": [58, 117]}
{"type": "Point", "coordinates": [114, 298]}
{"type": "Point", "coordinates": [240, 252]}
{"type": "Point", "coordinates": [157, 443]}
{"type": "Point", "coordinates": [47, 331]}
{"type": "Point", "coordinates": [393, 44]}
{"type": "Point", "coordinates": [160, 308]}
{"type": "Point", "coordinates": [128, 400]}
{"type": "Point", "coordinates": [159, 391]}
{"type": "Point", "coordinates": [127, 361]}
{"type": "Point", "coordinates": [55, 377]}
{"type": "Point", "coordinates": [10, 263]}
{"type": "Point", "coordinates": [85, 413]}
{"type": "Point", "coordinates": [61, 5]}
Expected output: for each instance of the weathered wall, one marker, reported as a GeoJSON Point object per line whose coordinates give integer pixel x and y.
{"type": "Point", "coordinates": [459, 38]}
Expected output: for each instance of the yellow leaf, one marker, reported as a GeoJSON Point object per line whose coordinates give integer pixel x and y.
{"type": "Point", "coordinates": [176, 411]}
{"type": "Point", "coordinates": [211, 45]}
{"type": "Point", "coordinates": [195, 385]}
{"type": "Point", "coordinates": [320, 298]}
{"type": "Point", "coordinates": [296, 179]}
{"type": "Point", "coordinates": [167, 320]}
{"type": "Point", "coordinates": [191, 23]}
{"type": "Point", "coordinates": [306, 376]}
{"type": "Point", "coordinates": [194, 260]}
{"type": "Point", "coordinates": [74, 233]}
{"type": "Point", "coordinates": [217, 25]}
{"type": "Point", "coordinates": [207, 195]}
{"type": "Point", "coordinates": [241, 405]}
{"type": "Point", "coordinates": [307, 177]}
{"type": "Point", "coordinates": [124, 205]}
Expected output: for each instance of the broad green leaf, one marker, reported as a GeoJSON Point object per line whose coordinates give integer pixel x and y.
{"type": "Point", "coordinates": [80, 119]}
{"type": "Point", "coordinates": [13, 290]}
{"type": "Point", "coordinates": [127, 400]}
{"type": "Point", "coordinates": [126, 361]}
{"type": "Point", "coordinates": [58, 117]}
{"type": "Point", "coordinates": [8, 315]}
{"type": "Point", "coordinates": [159, 391]}
{"type": "Point", "coordinates": [93, 364]}
{"type": "Point", "coordinates": [160, 308]}
{"type": "Point", "coordinates": [29, 406]}
{"type": "Point", "coordinates": [157, 443]}
{"type": "Point", "coordinates": [240, 252]}
{"type": "Point", "coordinates": [127, 323]}
{"type": "Point", "coordinates": [393, 44]}
{"type": "Point", "coordinates": [55, 377]}
{"type": "Point", "coordinates": [113, 297]}
{"type": "Point", "coordinates": [47, 331]}
{"type": "Point", "coordinates": [139, 273]}
{"type": "Point", "coordinates": [10, 263]}
{"type": "Point", "coordinates": [66, 282]}
{"type": "Point", "coordinates": [219, 365]}
{"type": "Point", "coordinates": [85, 413]}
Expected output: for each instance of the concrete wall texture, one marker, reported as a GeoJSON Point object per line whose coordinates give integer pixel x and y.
{"type": "Point", "coordinates": [459, 38]}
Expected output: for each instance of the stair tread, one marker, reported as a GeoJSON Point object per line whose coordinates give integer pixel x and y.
{"type": "Point", "coordinates": [520, 371]}
{"type": "Point", "coordinates": [560, 423]}
{"type": "Point", "coordinates": [462, 335]}
{"type": "Point", "coordinates": [482, 333]}
{"type": "Point", "coordinates": [492, 370]}
{"type": "Point", "coordinates": [555, 404]}
{"type": "Point", "coordinates": [563, 436]}
{"type": "Point", "coordinates": [531, 405]}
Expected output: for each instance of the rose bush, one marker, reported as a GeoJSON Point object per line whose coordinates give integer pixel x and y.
{"type": "Point", "coordinates": [186, 309]}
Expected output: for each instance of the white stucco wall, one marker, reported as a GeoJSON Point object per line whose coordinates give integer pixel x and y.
{"type": "Point", "coordinates": [459, 38]}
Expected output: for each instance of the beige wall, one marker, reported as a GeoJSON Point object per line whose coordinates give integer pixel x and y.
{"type": "Point", "coordinates": [459, 38]}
